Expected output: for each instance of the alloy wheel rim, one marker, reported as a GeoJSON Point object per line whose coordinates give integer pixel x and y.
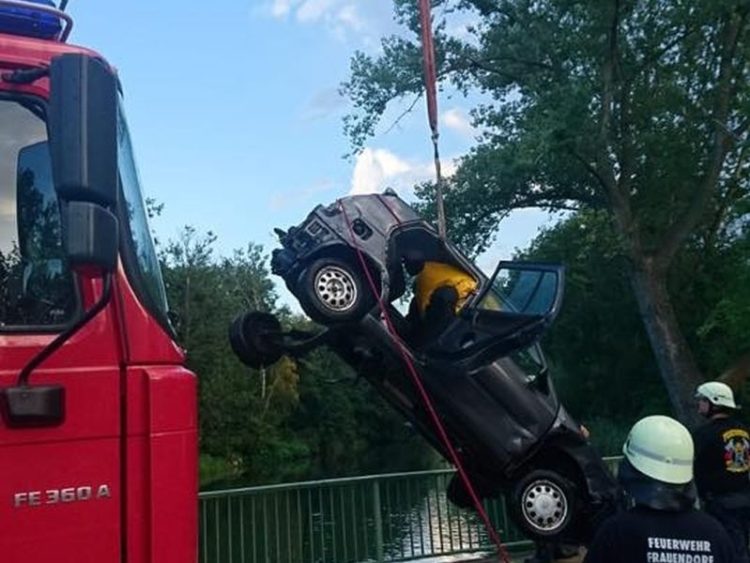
{"type": "Point", "coordinates": [544, 505]}
{"type": "Point", "coordinates": [335, 288]}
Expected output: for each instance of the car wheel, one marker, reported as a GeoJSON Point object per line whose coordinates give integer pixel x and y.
{"type": "Point", "coordinates": [254, 339]}
{"type": "Point", "coordinates": [544, 503]}
{"type": "Point", "coordinates": [332, 290]}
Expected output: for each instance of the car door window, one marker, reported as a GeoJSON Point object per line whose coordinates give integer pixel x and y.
{"type": "Point", "coordinates": [525, 291]}
{"type": "Point", "coordinates": [512, 312]}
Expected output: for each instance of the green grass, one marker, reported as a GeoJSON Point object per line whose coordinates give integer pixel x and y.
{"type": "Point", "coordinates": [213, 469]}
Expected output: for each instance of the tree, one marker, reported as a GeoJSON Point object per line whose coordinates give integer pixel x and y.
{"type": "Point", "coordinates": [603, 368]}
{"type": "Point", "coordinates": [241, 417]}
{"type": "Point", "coordinates": [290, 420]}
{"type": "Point", "coordinates": [348, 426]}
{"type": "Point", "coordinates": [639, 108]}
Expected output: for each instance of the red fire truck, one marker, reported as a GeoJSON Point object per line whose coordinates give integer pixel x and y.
{"type": "Point", "coordinates": [98, 417]}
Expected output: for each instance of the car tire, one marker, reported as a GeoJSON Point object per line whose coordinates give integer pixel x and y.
{"type": "Point", "coordinates": [332, 290]}
{"type": "Point", "coordinates": [254, 339]}
{"type": "Point", "coordinates": [544, 504]}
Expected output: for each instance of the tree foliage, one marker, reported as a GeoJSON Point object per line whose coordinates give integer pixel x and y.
{"type": "Point", "coordinates": [292, 420]}
{"type": "Point", "coordinates": [637, 108]}
{"type": "Point", "coordinates": [598, 347]}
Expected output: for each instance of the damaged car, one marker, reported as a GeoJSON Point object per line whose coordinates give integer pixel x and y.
{"type": "Point", "coordinates": [483, 369]}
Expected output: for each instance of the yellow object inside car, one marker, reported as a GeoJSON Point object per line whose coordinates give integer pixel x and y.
{"type": "Point", "coordinates": [435, 275]}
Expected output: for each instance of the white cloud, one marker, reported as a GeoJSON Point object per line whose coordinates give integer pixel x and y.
{"type": "Point", "coordinates": [314, 10]}
{"type": "Point", "coordinates": [350, 18]}
{"type": "Point", "coordinates": [378, 169]}
{"type": "Point", "coordinates": [457, 120]}
{"type": "Point", "coordinates": [374, 168]}
{"type": "Point", "coordinates": [281, 8]}
{"type": "Point", "coordinates": [345, 20]}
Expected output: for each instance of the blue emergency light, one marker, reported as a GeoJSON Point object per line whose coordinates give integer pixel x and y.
{"type": "Point", "coordinates": [26, 21]}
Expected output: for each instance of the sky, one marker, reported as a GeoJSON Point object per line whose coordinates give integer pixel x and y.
{"type": "Point", "coordinates": [236, 119]}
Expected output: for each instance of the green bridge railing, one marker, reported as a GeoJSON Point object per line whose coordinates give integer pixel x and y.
{"type": "Point", "coordinates": [375, 518]}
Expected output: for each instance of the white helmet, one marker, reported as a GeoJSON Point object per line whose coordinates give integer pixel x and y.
{"type": "Point", "coordinates": [661, 448]}
{"type": "Point", "coordinates": [717, 393]}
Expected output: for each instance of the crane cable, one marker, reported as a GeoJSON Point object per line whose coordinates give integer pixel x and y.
{"type": "Point", "coordinates": [430, 82]}
{"type": "Point", "coordinates": [502, 553]}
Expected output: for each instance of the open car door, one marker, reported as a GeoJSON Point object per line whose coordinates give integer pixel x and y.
{"type": "Point", "coordinates": [512, 311]}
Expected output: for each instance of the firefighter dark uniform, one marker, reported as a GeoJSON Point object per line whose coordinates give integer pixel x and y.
{"type": "Point", "coordinates": [663, 525]}
{"type": "Point", "coordinates": [722, 464]}
{"type": "Point", "coordinates": [644, 534]}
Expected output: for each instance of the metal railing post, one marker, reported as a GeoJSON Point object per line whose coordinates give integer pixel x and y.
{"type": "Point", "coordinates": [377, 515]}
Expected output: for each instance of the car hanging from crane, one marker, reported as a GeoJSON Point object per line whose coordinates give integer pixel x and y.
{"type": "Point", "coordinates": [481, 368]}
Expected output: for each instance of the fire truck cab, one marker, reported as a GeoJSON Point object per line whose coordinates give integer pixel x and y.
{"type": "Point", "coordinates": [98, 415]}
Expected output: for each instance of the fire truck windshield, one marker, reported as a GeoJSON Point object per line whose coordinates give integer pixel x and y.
{"type": "Point", "coordinates": [37, 290]}
{"type": "Point", "coordinates": [139, 254]}
{"type": "Point", "coordinates": [36, 287]}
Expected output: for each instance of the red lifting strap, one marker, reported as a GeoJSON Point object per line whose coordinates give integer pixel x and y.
{"type": "Point", "coordinates": [442, 434]}
{"type": "Point", "coordinates": [430, 80]}
{"type": "Point", "coordinates": [428, 61]}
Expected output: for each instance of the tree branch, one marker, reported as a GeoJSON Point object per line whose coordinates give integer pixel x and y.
{"type": "Point", "coordinates": [619, 200]}
{"type": "Point", "coordinates": [406, 112]}
{"type": "Point", "coordinates": [526, 199]}
{"type": "Point", "coordinates": [481, 65]}
{"type": "Point", "coordinates": [604, 168]}
{"type": "Point", "coordinates": [722, 141]}
{"type": "Point", "coordinates": [732, 194]}
{"type": "Point", "coordinates": [648, 62]}
{"type": "Point", "coordinates": [525, 62]}
{"type": "Point", "coordinates": [589, 168]}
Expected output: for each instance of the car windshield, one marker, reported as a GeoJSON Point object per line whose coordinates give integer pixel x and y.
{"type": "Point", "coordinates": [528, 291]}
{"type": "Point", "coordinates": [36, 286]}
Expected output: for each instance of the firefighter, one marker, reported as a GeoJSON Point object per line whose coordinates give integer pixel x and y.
{"type": "Point", "coordinates": [722, 463]}
{"type": "Point", "coordinates": [663, 525]}
{"type": "Point", "coordinates": [440, 291]}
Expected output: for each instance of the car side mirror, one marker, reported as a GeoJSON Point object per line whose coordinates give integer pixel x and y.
{"type": "Point", "coordinates": [83, 149]}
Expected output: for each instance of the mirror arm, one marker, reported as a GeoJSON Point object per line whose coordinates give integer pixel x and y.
{"type": "Point", "coordinates": [47, 351]}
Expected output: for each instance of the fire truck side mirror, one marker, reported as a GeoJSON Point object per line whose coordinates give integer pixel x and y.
{"type": "Point", "coordinates": [83, 129]}
{"type": "Point", "coordinates": [83, 149]}
{"type": "Point", "coordinates": [90, 236]}
{"type": "Point", "coordinates": [33, 406]}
